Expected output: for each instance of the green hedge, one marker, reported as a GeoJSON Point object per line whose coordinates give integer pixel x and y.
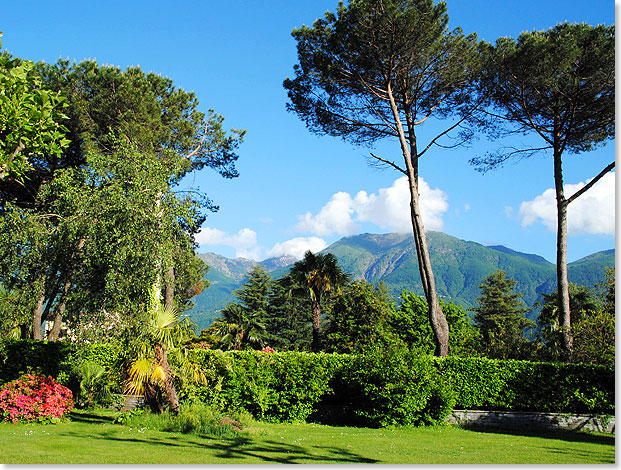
{"type": "Point", "coordinates": [511, 385]}
{"type": "Point", "coordinates": [271, 386]}
{"type": "Point", "coordinates": [379, 388]}
{"type": "Point", "coordinates": [18, 357]}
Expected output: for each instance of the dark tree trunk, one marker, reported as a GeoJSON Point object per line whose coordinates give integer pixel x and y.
{"type": "Point", "coordinates": [561, 260]}
{"type": "Point", "coordinates": [169, 386]}
{"type": "Point", "coordinates": [37, 312]}
{"type": "Point", "coordinates": [60, 311]}
{"type": "Point", "coordinates": [316, 306]}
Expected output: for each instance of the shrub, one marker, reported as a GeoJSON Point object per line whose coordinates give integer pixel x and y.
{"type": "Point", "coordinates": [18, 357]}
{"type": "Point", "coordinates": [281, 387]}
{"type": "Point", "coordinates": [34, 398]}
{"type": "Point", "coordinates": [198, 419]}
{"type": "Point", "coordinates": [396, 387]}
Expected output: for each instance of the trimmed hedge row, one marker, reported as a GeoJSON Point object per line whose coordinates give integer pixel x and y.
{"type": "Point", "coordinates": [379, 388]}
{"type": "Point", "coordinates": [511, 385]}
{"type": "Point", "coordinates": [271, 386]}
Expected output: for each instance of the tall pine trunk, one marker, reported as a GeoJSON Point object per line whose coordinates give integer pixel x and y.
{"type": "Point", "coordinates": [438, 322]}
{"type": "Point", "coordinates": [561, 259]}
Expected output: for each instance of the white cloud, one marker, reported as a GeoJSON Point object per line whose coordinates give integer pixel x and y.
{"type": "Point", "coordinates": [334, 217]}
{"type": "Point", "coordinates": [389, 209]}
{"type": "Point", "coordinates": [296, 247]}
{"type": "Point", "coordinates": [244, 241]}
{"type": "Point", "coordinates": [593, 212]}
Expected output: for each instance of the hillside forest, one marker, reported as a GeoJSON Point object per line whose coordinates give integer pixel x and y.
{"type": "Point", "coordinates": [97, 240]}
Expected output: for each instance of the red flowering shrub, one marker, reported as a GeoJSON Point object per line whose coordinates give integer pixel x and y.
{"type": "Point", "coordinates": [268, 349]}
{"type": "Point", "coordinates": [34, 398]}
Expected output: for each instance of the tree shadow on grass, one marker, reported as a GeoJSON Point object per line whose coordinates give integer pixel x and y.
{"type": "Point", "coordinates": [560, 434]}
{"type": "Point", "coordinates": [91, 418]}
{"type": "Point", "coordinates": [243, 447]}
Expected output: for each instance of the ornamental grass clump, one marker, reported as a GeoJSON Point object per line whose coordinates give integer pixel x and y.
{"type": "Point", "coordinates": [33, 398]}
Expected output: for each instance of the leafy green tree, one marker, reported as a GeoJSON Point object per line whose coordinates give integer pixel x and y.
{"type": "Point", "coordinates": [411, 323]}
{"type": "Point", "coordinates": [607, 289]}
{"type": "Point", "coordinates": [358, 320]}
{"type": "Point", "coordinates": [289, 317]}
{"type": "Point", "coordinates": [560, 86]}
{"type": "Point", "coordinates": [317, 274]}
{"type": "Point", "coordinates": [594, 338]}
{"type": "Point", "coordinates": [30, 118]}
{"type": "Point", "coordinates": [500, 318]}
{"type": "Point", "coordinates": [382, 69]}
{"type": "Point", "coordinates": [110, 223]}
{"type": "Point", "coordinates": [243, 325]}
{"type": "Point", "coordinates": [582, 301]}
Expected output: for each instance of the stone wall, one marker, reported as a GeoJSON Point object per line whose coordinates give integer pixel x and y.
{"type": "Point", "coordinates": [513, 420]}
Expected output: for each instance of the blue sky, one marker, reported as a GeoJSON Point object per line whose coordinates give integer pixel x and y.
{"type": "Point", "coordinates": [298, 190]}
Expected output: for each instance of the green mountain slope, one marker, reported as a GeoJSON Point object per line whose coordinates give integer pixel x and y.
{"type": "Point", "coordinates": [459, 267]}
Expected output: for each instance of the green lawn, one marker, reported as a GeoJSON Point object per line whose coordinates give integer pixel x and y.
{"type": "Point", "coordinates": [94, 439]}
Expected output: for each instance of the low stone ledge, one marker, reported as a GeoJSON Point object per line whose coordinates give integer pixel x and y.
{"type": "Point", "coordinates": [547, 421]}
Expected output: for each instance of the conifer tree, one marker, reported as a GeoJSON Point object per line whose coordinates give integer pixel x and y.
{"type": "Point", "coordinates": [500, 317]}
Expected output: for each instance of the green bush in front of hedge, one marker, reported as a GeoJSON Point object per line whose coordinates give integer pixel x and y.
{"type": "Point", "coordinates": [396, 387]}
{"type": "Point", "coordinates": [511, 385]}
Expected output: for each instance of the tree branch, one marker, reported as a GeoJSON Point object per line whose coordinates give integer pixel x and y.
{"type": "Point", "coordinates": [389, 163]}
{"type": "Point", "coordinates": [590, 184]}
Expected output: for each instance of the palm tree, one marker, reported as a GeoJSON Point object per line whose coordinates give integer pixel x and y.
{"type": "Point", "coordinates": [241, 328]}
{"type": "Point", "coordinates": [163, 335]}
{"type": "Point", "coordinates": [318, 273]}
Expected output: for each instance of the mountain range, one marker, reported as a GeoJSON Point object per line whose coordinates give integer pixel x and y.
{"type": "Point", "coordinates": [459, 267]}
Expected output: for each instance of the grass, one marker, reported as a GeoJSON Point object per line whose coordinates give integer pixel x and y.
{"type": "Point", "coordinates": [92, 438]}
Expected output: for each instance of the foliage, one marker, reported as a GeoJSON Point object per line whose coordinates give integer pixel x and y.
{"type": "Point", "coordinates": [30, 118]}
{"type": "Point", "coordinates": [317, 274]}
{"type": "Point", "coordinates": [242, 326]}
{"type": "Point", "coordinates": [582, 301]}
{"type": "Point", "coordinates": [289, 315]}
{"type": "Point", "coordinates": [18, 357]}
{"type": "Point", "coordinates": [499, 317]}
{"type": "Point", "coordinates": [98, 224]}
{"type": "Point", "coordinates": [410, 321]}
{"type": "Point", "coordinates": [379, 69]}
{"type": "Point", "coordinates": [358, 319]}
{"type": "Point", "coordinates": [34, 398]}
{"type": "Point", "coordinates": [395, 387]}
{"type": "Point", "coordinates": [594, 338]}
{"type": "Point", "coordinates": [281, 387]}
{"type": "Point", "coordinates": [149, 370]}
{"type": "Point", "coordinates": [94, 388]}
{"type": "Point", "coordinates": [513, 385]}
{"type": "Point", "coordinates": [194, 418]}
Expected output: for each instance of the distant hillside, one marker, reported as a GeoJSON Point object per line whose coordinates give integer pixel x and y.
{"type": "Point", "coordinates": [459, 267]}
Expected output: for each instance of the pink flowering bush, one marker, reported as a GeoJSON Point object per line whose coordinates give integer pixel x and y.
{"type": "Point", "coordinates": [34, 398]}
{"type": "Point", "coordinates": [268, 349]}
